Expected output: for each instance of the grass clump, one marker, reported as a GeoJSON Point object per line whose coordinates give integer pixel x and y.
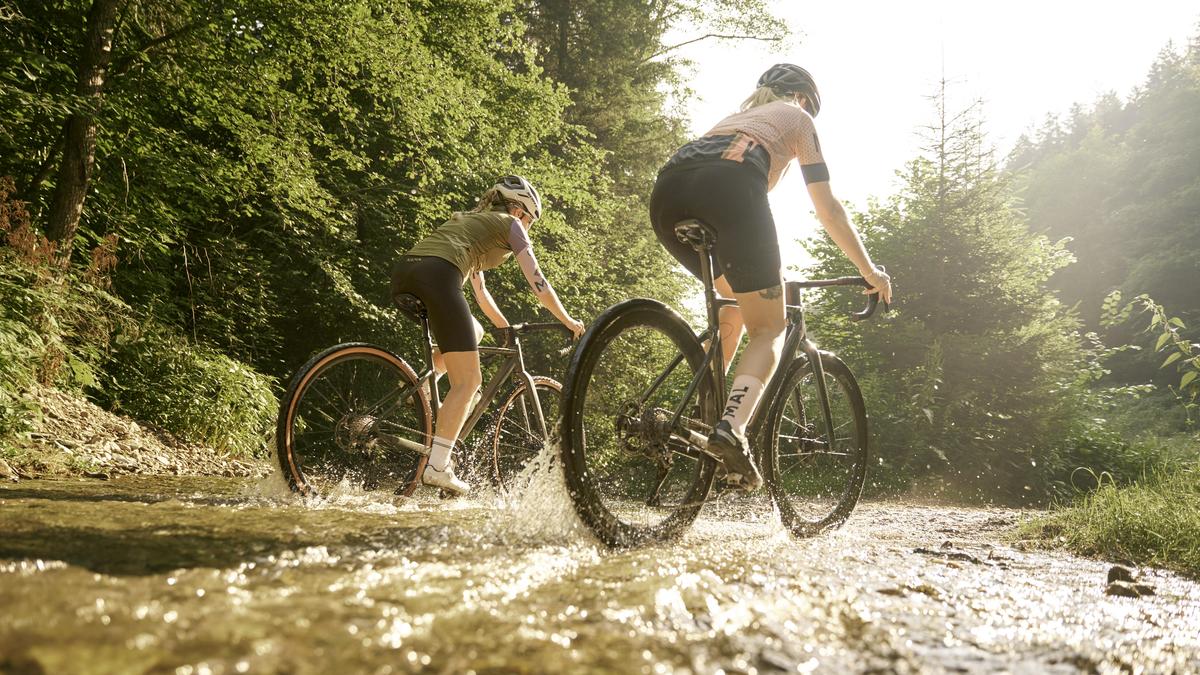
{"type": "Point", "coordinates": [1155, 521]}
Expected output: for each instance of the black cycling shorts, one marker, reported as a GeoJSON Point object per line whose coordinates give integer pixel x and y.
{"type": "Point", "coordinates": [732, 199]}
{"type": "Point", "coordinates": [438, 283]}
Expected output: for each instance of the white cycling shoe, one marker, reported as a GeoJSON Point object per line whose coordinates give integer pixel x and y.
{"type": "Point", "coordinates": [445, 480]}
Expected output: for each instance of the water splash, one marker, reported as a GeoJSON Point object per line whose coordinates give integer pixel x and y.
{"type": "Point", "coordinates": [540, 508]}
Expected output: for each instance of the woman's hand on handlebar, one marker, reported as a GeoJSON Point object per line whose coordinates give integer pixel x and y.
{"type": "Point", "coordinates": [576, 327]}
{"type": "Point", "coordinates": [881, 283]}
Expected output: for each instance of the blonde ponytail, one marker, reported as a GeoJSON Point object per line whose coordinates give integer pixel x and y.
{"type": "Point", "coordinates": [491, 200]}
{"type": "Point", "coordinates": [762, 96]}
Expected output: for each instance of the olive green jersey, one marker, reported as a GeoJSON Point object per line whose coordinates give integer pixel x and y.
{"type": "Point", "coordinates": [475, 241]}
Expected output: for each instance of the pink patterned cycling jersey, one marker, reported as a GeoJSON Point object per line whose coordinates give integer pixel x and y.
{"type": "Point", "coordinates": [784, 130]}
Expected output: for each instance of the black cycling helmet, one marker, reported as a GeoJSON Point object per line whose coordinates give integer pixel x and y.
{"type": "Point", "coordinates": [788, 78]}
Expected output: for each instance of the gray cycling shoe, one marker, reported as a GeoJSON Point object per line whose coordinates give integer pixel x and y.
{"type": "Point", "coordinates": [734, 452]}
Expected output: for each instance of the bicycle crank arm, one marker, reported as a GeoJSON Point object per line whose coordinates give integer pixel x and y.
{"type": "Point", "coordinates": [401, 442]}
{"type": "Point", "coordinates": [700, 442]}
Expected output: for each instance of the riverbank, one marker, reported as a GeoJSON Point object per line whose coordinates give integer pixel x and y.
{"type": "Point", "coordinates": [74, 438]}
{"type": "Point", "coordinates": [1153, 522]}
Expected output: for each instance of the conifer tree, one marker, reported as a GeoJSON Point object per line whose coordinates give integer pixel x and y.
{"type": "Point", "coordinates": [966, 378]}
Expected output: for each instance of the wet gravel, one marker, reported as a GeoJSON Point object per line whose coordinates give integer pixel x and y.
{"type": "Point", "coordinates": [162, 574]}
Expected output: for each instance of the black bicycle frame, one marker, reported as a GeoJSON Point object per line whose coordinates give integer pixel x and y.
{"type": "Point", "coordinates": [514, 361]}
{"type": "Point", "coordinates": [796, 339]}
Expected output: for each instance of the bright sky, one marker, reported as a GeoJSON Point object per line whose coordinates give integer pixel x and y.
{"type": "Point", "coordinates": [877, 62]}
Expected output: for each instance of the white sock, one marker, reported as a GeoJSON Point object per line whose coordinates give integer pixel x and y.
{"type": "Point", "coordinates": [439, 454]}
{"type": "Point", "coordinates": [743, 396]}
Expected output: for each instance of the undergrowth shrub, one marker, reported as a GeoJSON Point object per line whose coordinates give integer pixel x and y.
{"type": "Point", "coordinates": [1155, 521]}
{"type": "Point", "coordinates": [156, 375]}
{"type": "Point", "coordinates": [55, 322]}
{"type": "Point", "coordinates": [63, 327]}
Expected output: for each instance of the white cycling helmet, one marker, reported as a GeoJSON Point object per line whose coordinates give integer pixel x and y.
{"type": "Point", "coordinates": [517, 189]}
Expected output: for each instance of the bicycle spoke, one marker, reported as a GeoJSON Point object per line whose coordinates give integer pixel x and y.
{"type": "Point", "coordinates": [335, 424]}
{"type": "Point", "coordinates": [817, 471]}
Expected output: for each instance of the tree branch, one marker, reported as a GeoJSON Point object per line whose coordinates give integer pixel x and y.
{"type": "Point", "coordinates": [126, 62]}
{"type": "Point", "coordinates": [721, 36]}
{"type": "Point", "coordinates": [46, 168]}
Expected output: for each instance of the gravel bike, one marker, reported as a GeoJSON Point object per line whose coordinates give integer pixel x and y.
{"type": "Point", "coordinates": [356, 413]}
{"type": "Point", "coordinates": [644, 391]}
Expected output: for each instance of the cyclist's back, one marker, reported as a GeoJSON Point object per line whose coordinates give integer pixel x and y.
{"type": "Point", "coordinates": [765, 138]}
{"type": "Point", "coordinates": [474, 241]}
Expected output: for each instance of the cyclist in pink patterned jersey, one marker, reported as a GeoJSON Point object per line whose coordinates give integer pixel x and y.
{"type": "Point", "coordinates": [722, 179]}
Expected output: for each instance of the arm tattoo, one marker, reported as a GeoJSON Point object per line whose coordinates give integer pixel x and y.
{"type": "Point", "coordinates": [540, 284]}
{"type": "Point", "coordinates": [771, 293]}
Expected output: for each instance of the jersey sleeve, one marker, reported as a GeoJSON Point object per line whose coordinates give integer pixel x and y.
{"type": "Point", "coordinates": [806, 146]}
{"type": "Point", "coordinates": [518, 238]}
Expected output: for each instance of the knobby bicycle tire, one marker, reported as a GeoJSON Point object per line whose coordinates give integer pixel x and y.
{"type": "Point", "coordinates": [515, 438]}
{"type": "Point", "coordinates": [612, 487]}
{"type": "Point", "coordinates": [299, 462]}
{"type": "Point", "coordinates": [815, 487]}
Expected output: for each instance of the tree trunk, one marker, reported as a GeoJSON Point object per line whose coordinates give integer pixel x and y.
{"type": "Point", "coordinates": [79, 148]}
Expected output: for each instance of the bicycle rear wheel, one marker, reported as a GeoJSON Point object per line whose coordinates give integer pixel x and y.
{"type": "Point", "coordinates": [351, 415]}
{"type": "Point", "coordinates": [633, 476]}
{"type": "Point", "coordinates": [816, 482]}
{"type": "Point", "coordinates": [516, 438]}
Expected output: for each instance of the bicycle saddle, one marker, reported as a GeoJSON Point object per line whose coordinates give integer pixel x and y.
{"type": "Point", "coordinates": [695, 233]}
{"type": "Point", "coordinates": [411, 305]}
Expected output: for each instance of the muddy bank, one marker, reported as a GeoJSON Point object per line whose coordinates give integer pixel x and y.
{"type": "Point", "coordinates": [74, 438]}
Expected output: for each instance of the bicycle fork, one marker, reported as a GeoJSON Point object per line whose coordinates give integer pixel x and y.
{"type": "Point", "coordinates": [531, 393]}
{"type": "Point", "coordinates": [814, 358]}
{"type": "Point", "coordinates": [795, 342]}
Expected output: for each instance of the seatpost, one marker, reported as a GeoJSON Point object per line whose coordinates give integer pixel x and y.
{"type": "Point", "coordinates": [714, 313]}
{"type": "Point", "coordinates": [428, 347]}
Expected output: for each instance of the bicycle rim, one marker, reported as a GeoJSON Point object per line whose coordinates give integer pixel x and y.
{"type": "Point", "coordinates": [630, 481]}
{"type": "Point", "coordinates": [339, 418]}
{"type": "Point", "coordinates": [816, 483]}
{"type": "Point", "coordinates": [516, 437]}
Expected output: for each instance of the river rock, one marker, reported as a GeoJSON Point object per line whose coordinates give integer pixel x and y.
{"type": "Point", "coordinates": [7, 472]}
{"type": "Point", "coordinates": [1119, 573]}
{"type": "Point", "coordinates": [1126, 589]}
{"type": "Point", "coordinates": [123, 462]}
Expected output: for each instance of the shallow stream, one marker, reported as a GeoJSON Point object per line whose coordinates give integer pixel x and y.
{"type": "Point", "coordinates": [206, 575]}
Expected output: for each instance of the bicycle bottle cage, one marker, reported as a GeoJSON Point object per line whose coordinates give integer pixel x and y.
{"type": "Point", "coordinates": [696, 234]}
{"type": "Point", "coordinates": [411, 305]}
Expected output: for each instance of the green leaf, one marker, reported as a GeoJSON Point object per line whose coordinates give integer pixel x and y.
{"type": "Point", "coordinates": [1171, 359]}
{"type": "Point", "coordinates": [1176, 321]}
{"type": "Point", "coordinates": [1162, 340]}
{"type": "Point", "coordinates": [1187, 377]}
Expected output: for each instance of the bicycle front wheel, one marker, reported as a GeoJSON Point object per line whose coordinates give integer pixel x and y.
{"type": "Point", "coordinates": [815, 474]}
{"type": "Point", "coordinates": [632, 470]}
{"type": "Point", "coordinates": [353, 415]}
{"type": "Point", "coordinates": [516, 438]}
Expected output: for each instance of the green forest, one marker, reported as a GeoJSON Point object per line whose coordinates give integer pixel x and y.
{"type": "Point", "coordinates": [195, 197]}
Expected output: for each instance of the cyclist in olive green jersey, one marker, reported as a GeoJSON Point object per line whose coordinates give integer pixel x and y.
{"type": "Point", "coordinates": [435, 269]}
{"type": "Point", "coordinates": [722, 179]}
